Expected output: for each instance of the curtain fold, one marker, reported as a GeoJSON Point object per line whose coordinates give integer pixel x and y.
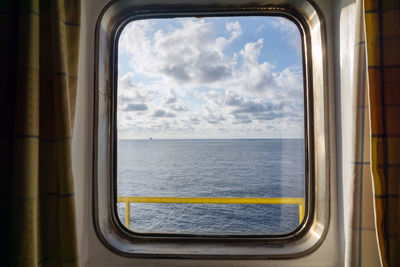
{"type": "Point", "coordinates": [360, 248]}
{"type": "Point", "coordinates": [382, 19]}
{"type": "Point", "coordinates": [40, 86]}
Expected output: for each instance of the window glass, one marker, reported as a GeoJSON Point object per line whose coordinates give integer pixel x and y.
{"type": "Point", "coordinates": [210, 123]}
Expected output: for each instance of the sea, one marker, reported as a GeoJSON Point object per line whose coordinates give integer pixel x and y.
{"type": "Point", "coordinates": [241, 168]}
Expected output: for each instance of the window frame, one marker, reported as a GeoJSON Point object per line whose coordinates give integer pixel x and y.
{"type": "Point", "coordinates": [110, 230]}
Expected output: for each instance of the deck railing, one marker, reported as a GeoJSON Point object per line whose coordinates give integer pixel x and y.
{"type": "Point", "coordinates": [208, 200]}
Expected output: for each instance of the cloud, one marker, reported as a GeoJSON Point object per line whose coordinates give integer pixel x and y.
{"type": "Point", "coordinates": [135, 107]}
{"type": "Point", "coordinates": [253, 77]}
{"type": "Point", "coordinates": [235, 28]}
{"type": "Point", "coordinates": [284, 25]}
{"type": "Point", "coordinates": [213, 119]}
{"type": "Point", "coordinates": [188, 53]}
{"type": "Point", "coordinates": [191, 55]}
{"type": "Point", "coordinates": [251, 52]}
{"type": "Point", "coordinates": [289, 32]}
{"type": "Point", "coordinates": [190, 121]}
{"type": "Point", "coordinates": [213, 98]}
{"type": "Point", "coordinates": [160, 113]}
{"type": "Point", "coordinates": [194, 121]}
{"type": "Point", "coordinates": [242, 108]}
{"type": "Point", "coordinates": [179, 107]}
{"type": "Point", "coordinates": [123, 99]}
{"type": "Point", "coordinates": [129, 91]}
{"type": "Point", "coordinates": [291, 80]}
{"type": "Point", "coordinates": [210, 116]}
{"type": "Point", "coordinates": [171, 97]}
{"type": "Point", "coordinates": [212, 94]}
{"type": "Point", "coordinates": [241, 119]}
{"type": "Point", "coordinates": [269, 116]}
{"type": "Point", "coordinates": [192, 77]}
{"type": "Point", "coordinates": [176, 72]}
{"type": "Point", "coordinates": [232, 99]}
{"type": "Point", "coordinates": [171, 102]}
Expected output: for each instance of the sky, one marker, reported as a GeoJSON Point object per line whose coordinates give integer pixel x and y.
{"type": "Point", "coordinates": [206, 78]}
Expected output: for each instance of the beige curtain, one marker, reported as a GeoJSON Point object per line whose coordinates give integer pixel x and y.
{"type": "Point", "coordinates": [373, 177]}
{"type": "Point", "coordinates": [382, 18]}
{"type": "Point", "coordinates": [360, 244]}
{"type": "Point", "coordinates": [40, 48]}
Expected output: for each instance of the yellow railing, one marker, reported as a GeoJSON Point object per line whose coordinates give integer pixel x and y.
{"type": "Point", "coordinates": [209, 200]}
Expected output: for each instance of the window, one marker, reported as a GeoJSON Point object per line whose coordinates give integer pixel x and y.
{"type": "Point", "coordinates": [211, 110]}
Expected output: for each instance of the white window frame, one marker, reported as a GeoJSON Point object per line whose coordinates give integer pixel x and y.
{"type": "Point", "coordinates": [309, 235]}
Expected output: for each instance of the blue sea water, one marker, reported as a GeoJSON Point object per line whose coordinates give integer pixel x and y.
{"type": "Point", "coordinates": [211, 168]}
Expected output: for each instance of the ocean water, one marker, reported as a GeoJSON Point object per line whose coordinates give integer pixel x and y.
{"type": "Point", "coordinates": [211, 168]}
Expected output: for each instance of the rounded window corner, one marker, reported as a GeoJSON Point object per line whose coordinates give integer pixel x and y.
{"type": "Point", "coordinates": [311, 231]}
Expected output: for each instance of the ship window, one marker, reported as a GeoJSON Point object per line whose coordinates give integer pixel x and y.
{"type": "Point", "coordinates": [210, 126]}
{"type": "Point", "coordinates": [210, 129]}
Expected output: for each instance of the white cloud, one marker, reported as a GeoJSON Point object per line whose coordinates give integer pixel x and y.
{"type": "Point", "coordinates": [289, 32]}
{"type": "Point", "coordinates": [129, 91]}
{"type": "Point", "coordinates": [136, 107]}
{"type": "Point", "coordinates": [171, 97]}
{"type": "Point", "coordinates": [239, 93]}
{"type": "Point", "coordinates": [253, 77]}
{"type": "Point", "coordinates": [214, 98]}
{"type": "Point", "coordinates": [240, 119]}
{"type": "Point", "coordinates": [251, 52]}
{"type": "Point", "coordinates": [189, 53]}
{"type": "Point", "coordinates": [160, 113]}
{"type": "Point", "coordinates": [235, 28]}
{"type": "Point", "coordinates": [179, 107]}
{"type": "Point", "coordinates": [255, 110]}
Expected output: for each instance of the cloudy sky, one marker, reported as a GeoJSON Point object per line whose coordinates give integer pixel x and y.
{"type": "Point", "coordinates": [231, 77]}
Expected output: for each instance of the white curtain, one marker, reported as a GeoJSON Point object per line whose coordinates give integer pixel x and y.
{"type": "Point", "coordinates": [360, 242]}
